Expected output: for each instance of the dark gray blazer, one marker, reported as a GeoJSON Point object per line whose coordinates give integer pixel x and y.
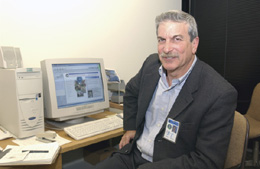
{"type": "Point", "coordinates": [205, 109]}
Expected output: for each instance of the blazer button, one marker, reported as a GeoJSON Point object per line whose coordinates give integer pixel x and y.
{"type": "Point", "coordinates": [159, 141]}
{"type": "Point", "coordinates": [126, 151]}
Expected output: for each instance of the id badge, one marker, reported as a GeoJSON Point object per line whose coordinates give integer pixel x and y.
{"type": "Point", "coordinates": [171, 130]}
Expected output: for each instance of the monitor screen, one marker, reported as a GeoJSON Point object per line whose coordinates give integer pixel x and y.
{"type": "Point", "coordinates": [74, 88]}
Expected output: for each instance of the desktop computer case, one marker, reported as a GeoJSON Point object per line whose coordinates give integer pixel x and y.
{"type": "Point", "coordinates": [21, 101]}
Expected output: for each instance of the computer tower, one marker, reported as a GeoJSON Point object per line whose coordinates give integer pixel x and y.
{"type": "Point", "coordinates": [21, 101]}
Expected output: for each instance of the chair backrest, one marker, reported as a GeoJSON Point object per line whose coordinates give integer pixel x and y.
{"type": "Point", "coordinates": [238, 143]}
{"type": "Point", "coordinates": [254, 107]}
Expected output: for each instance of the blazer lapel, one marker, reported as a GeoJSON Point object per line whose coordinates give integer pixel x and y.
{"type": "Point", "coordinates": [185, 97]}
{"type": "Point", "coordinates": [182, 101]}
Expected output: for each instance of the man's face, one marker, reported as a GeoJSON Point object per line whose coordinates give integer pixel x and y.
{"type": "Point", "coordinates": [174, 47]}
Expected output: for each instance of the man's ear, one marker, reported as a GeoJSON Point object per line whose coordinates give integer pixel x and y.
{"type": "Point", "coordinates": [195, 44]}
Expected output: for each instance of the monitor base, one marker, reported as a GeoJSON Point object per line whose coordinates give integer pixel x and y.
{"type": "Point", "coordinates": [60, 125]}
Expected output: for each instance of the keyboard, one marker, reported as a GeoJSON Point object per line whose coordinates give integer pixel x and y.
{"type": "Point", "coordinates": [88, 129]}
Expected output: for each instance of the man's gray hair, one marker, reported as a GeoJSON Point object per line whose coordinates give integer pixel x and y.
{"type": "Point", "coordinates": [178, 16]}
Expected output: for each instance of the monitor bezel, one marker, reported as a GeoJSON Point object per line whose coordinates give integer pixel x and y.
{"type": "Point", "coordinates": [51, 110]}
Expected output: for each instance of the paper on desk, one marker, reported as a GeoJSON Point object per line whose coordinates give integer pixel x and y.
{"type": "Point", "coordinates": [32, 140]}
{"type": "Point", "coordinates": [17, 157]}
{"type": "Point", "coordinates": [4, 134]}
{"type": "Point", "coordinates": [14, 155]}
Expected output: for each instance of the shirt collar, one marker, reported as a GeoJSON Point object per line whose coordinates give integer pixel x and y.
{"type": "Point", "coordinates": [162, 73]}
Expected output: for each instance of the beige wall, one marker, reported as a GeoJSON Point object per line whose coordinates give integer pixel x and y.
{"type": "Point", "coordinates": [119, 31]}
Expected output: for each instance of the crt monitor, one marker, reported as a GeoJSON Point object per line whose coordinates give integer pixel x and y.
{"type": "Point", "coordinates": [74, 88]}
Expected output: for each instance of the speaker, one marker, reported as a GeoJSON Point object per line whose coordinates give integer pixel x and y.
{"type": "Point", "coordinates": [19, 59]}
{"type": "Point", "coordinates": [10, 57]}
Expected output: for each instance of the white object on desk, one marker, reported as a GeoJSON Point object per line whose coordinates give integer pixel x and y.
{"type": "Point", "coordinates": [4, 134]}
{"type": "Point", "coordinates": [22, 89]}
{"type": "Point", "coordinates": [31, 154]}
{"type": "Point", "coordinates": [33, 140]}
{"type": "Point", "coordinates": [50, 135]}
{"type": "Point", "coordinates": [13, 156]}
{"type": "Point", "coordinates": [46, 137]}
{"type": "Point", "coordinates": [95, 127]}
{"type": "Point", "coordinates": [121, 115]}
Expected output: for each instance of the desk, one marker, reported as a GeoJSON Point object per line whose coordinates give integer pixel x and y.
{"type": "Point", "coordinates": [116, 106]}
{"type": "Point", "coordinates": [74, 144]}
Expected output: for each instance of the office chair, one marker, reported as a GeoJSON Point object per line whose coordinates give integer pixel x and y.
{"type": "Point", "coordinates": [253, 116]}
{"type": "Point", "coordinates": [238, 143]}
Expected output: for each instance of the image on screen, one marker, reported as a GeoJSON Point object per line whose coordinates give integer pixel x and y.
{"type": "Point", "coordinates": [78, 84]}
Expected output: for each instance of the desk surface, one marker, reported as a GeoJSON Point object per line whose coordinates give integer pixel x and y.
{"type": "Point", "coordinates": [76, 144]}
{"type": "Point", "coordinates": [116, 105]}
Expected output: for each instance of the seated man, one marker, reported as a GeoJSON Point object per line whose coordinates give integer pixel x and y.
{"type": "Point", "coordinates": [178, 111]}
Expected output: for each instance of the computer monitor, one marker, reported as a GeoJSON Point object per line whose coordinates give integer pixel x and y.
{"type": "Point", "coordinates": [74, 88]}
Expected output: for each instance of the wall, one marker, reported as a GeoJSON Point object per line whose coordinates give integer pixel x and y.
{"type": "Point", "coordinates": [121, 32]}
{"type": "Point", "coordinates": [229, 42]}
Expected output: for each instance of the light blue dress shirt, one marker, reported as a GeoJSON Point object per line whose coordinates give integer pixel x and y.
{"type": "Point", "coordinates": [163, 99]}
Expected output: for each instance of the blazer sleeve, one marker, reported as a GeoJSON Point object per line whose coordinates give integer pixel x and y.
{"type": "Point", "coordinates": [133, 98]}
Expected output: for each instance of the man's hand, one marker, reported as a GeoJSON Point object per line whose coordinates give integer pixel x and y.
{"type": "Point", "coordinates": [130, 134]}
